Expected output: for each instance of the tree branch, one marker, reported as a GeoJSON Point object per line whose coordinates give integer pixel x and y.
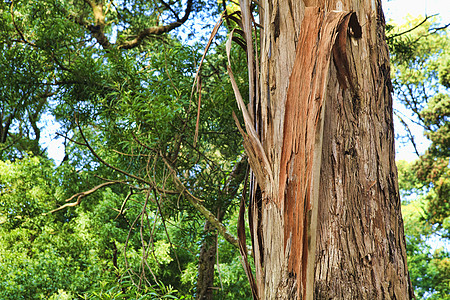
{"type": "Point", "coordinates": [171, 10]}
{"type": "Point", "coordinates": [156, 30]}
{"type": "Point", "coordinates": [22, 36]}
{"type": "Point", "coordinates": [107, 164]}
{"type": "Point", "coordinates": [410, 29]}
{"type": "Point", "coordinates": [408, 132]}
{"type": "Point", "coordinates": [97, 29]}
{"type": "Point", "coordinates": [81, 196]}
{"type": "Point", "coordinates": [199, 207]}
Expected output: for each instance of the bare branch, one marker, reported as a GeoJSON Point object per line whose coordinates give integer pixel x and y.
{"type": "Point", "coordinates": [408, 131]}
{"type": "Point", "coordinates": [122, 207]}
{"type": "Point", "coordinates": [81, 196]}
{"type": "Point", "coordinates": [171, 10]}
{"type": "Point", "coordinates": [200, 208]}
{"type": "Point", "coordinates": [410, 29]}
{"type": "Point", "coordinates": [434, 30]}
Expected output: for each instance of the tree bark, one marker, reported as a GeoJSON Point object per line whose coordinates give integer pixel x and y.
{"type": "Point", "coordinates": [325, 218]}
{"type": "Point", "coordinates": [208, 250]}
{"type": "Point", "coordinates": [206, 263]}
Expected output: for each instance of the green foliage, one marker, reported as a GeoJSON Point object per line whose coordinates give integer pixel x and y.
{"type": "Point", "coordinates": [428, 268]}
{"type": "Point", "coordinates": [420, 72]}
{"type": "Point", "coordinates": [31, 260]}
{"type": "Point", "coordinates": [77, 253]}
{"type": "Point", "coordinates": [408, 182]}
{"type": "Point", "coordinates": [125, 116]}
{"type": "Point", "coordinates": [129, 117]}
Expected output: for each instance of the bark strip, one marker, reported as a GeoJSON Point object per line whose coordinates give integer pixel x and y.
{"type": "Point", "coordinates": [325, 220]}
{"type": "Point", "coordinates": [303, 130]}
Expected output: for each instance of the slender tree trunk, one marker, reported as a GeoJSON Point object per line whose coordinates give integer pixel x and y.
{"type": "Point", "coordinates": [208, 250]}
{"type": "Point", "coordinates": [206, 263]}
{"type": "Point", "coordinates": [325, 218]}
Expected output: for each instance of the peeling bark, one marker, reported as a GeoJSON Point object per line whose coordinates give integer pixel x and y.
{"type": "Point", "coordinates": [326, 222]}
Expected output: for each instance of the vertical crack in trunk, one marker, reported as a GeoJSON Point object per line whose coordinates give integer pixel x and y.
{"type": "Point", "coordinates": [328, 224]}
{"type": "Point", "coordinates": [302, 144]}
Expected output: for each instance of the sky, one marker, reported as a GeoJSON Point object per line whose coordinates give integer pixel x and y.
{"type": "Point", "coordinates": [399, 9]}
{"type": "Point", "coordinates": [395, 10]}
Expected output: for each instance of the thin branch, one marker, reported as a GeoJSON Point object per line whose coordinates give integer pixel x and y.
{"type": "Point", "coordinates": [81, 196]}
{"type": "Point", "coordinates": [171, 10]}
{"type": "Point", "coordinates": [127, 154]}
{"type": "Point", "coordinates": [108, 7]}
{"type": "Point", "coordinates": [17, 28]}
{"type": "Point", "coordinates": [144, 248]}
{"type": "Point", "coordinates": [408, 132]}
{"type": "Point", "coordinates": [434, 30]}
{"type": "Point", "coordinates": [72, 140]}
{"type": "Point", "coordinates": [410, 29]}
{"type": "Point", "coordinates": [121, 211]}
{"type": "Point", "coordinates": [127, 265]}
{"type": "Point", "coordinates": [107, 164]}
{"type": "Point", "coordinates": [200, 208]}
{"type": "Point", "coordinates": [165, 228]}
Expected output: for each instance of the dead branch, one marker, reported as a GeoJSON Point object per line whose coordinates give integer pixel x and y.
{"type": "Point", "coordinates": [81, 196]}
{"type": "Point", "coordinates": [122, 207]}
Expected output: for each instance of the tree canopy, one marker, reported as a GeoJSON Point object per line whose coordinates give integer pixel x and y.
{"type": "Point", "coordinates": [420, 59]}
{"type": "Point", "coordinates": [125, 213]}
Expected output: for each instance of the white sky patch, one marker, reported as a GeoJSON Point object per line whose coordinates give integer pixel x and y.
{"type": "Point", "coordinates": [50, 141]}
{"type": "Point", "coordinates": [397, 10]}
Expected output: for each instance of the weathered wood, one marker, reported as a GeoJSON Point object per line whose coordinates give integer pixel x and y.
{"type": "Point", "coordinates": [327, 224]}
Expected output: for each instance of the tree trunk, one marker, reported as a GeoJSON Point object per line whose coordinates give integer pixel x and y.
{"type": "Point", "coordinates": [206, 263]}
{"type": "Point", "coordinates": [208, 250]}
{"type": "Point", "coordinates": [325, 218]}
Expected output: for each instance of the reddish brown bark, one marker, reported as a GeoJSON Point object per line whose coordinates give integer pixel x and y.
{"type": "Point", "coordinates": [303, 130]}
{"type": "Point", "coordinates": [325, 220]}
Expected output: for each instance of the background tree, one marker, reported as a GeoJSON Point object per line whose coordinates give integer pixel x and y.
{"type": "Point", "coordinates": [420, 68]}
{"type": "Point", "coordinates": [121, 90]}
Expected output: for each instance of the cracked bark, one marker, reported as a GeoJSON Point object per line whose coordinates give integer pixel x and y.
{"type": "Point", "coordinates": [329, 226]}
